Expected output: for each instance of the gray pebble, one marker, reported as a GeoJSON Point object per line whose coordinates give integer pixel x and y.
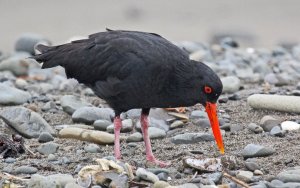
{"type": "Point", "coordinates": [203, 123]}
{"type": "Point", "coordinates": [268, 122]}
{"type": "Point", "coordinates": [27, 123]}
{"type": "Point", "coordinates": [65, 160]}
{"type": "Point", "coordinates": [252, 150]}
{"type": "Point", "coordinates": [290, 175]}
{"type": "Point", "coordinates": [10, 160]}
{"type": "Point", "coordinates": [198, 114]}
{"type": "Point", "coordinates": [51, 157]}
{"type": "Point", "coordinates": [251, 165]}
{"type": "Point", "coordinates": [163, 176]}
{"type": "Point", "coordinates": [135, 137]}
{"type": "Point", "coordinates": [127, 126]}
{"type": "Point", "coordinates": [71, 103]}
{"type": "Point", "coordinates": [146, 175]}
{"type": "Point", "coordinates": [48, 148]}
{"type": "Point", "coordinates": [245, 176]}
{"type": "Point", "coordinates": [27, 41]}
{"type": "Point", "coordinates": [231, 84]}
{"type": "Point", "coordinates": [276, 131]}
{"type": "Point", "coordinates": [255, 128]}
{"type": "Point", "coordinates": [12, 96]}
{"type": "Point", "coordinates": [90, 114]}
{"type": "Point", "coordinates": [92, 148]}
{"type": "Point", "coordinates": [156, 133]}
{"type": "Point", "coordinates": [176, 124]}
{"type": "Point", "coordinates": [25, 170]}
{"type": "Point", "coordinates": [48, 106]}
{"type": "Point", "coordinates": [45, 137]}
{"type": "Point", "coordinates": [101, 125]}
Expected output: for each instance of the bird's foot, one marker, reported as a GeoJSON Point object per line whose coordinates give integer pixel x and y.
{"type": "Point", "coordinates": [157, 162]}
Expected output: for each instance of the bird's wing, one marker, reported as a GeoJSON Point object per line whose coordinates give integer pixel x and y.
{"type": "Point", "coordinates": [111, 57]}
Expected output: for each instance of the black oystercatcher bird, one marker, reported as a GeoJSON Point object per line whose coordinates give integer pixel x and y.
{"type": "Point", "coordinates": [131, 69]}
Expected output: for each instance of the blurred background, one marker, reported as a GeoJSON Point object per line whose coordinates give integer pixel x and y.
{"type": "Point", "coordinates": [252, 23]}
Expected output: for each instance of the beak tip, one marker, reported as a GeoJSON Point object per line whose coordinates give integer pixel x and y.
{"type": "Point", "coordinates": [222, 151]}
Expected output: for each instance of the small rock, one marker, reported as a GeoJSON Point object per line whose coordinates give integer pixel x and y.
{"type": "Point", "coordinates": [203, 123]}
{"type": "Point", "coordinates": [176, 124]}
{"type": "Point", "coordinates": [290, 175]}
{"type": "Point", "coordinates": [135, 137]}
{"type": "Point", "coordinates": [146, 175]}
{"type": "Point", "coordinates": [276, 131]}
{"type": "Point", "coordinates": [18, 64]}
{"type": "Point", "coordinates": [26, 42]}
{"type": "Point", "coordinates": [268, 123]}
{"type": "Point", "coordinates": [65, 160]}
{"type": "Point", "coordinates": [68, 85]}
{"type": "Point", "coordinates": [71, 103]}
{"type": "Point", "coordinates": [191, 138]}
{"type": "Point", "coordinates": [258, 172]}
{"type": "Point", "coordinates": [27, 123]}
{"type": "Point", "coordinates": [290, 126]}
{"type": "Point", "coordinates": [251, 165]}
{"type": "Point", "coordinates": [204, 165]}
{"type": "Point", "coordinates": [231, 84]}
{"type": "Point", "coordinates": [252, 150]}
{"type": "Point", "coordinates": [101, 125]}
{"type": "Point", "coordinates": [271, 78]}
{"type": "Point", "coordinates": [12, 96]}
{"type": "Point", "coordinates": [51, 157]}
{"type": "Point", "coordinates": [90, 114]}
{"type": "Point", "coordinates": [48, 106]}
{"type": "Point", "coordinates": [198, 114]}
{"type": "Point", "coordinates": [245, 176]}
{"type": "Point", "coordinates": [97, 137]}
{"type": "Point", "coordinates": [45, 137]}
{"type": "Point", "coordinates": [25, 170]}
{"type": "Point", "coordinates": [92, 148]}
{"type": "Point", "coordinates": [275, 102]}
{"type": "Point", "coordinates": [10, 160]}
{"type": "Point", "coordinates": [255, 128]}
{"type": "Point", "coordinates": [163, 176]}
{"type": "Point", "coordinates": [156, 133]}
{"type": "Point", "coordinates": [223, 100]}
{"type": "Point", "coordinates": [127, 126]}
{"type": "Point", "coordinates": [21, 83]}
{"type": "Point", "coordinates": [48, 148]}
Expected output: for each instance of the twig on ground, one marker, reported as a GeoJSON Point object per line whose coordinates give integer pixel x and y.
{"type": "Point", "coordinates": [236, 180]}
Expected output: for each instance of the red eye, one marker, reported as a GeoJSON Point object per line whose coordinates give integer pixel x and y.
{"type": "Point", "coordinates": [207, 89]}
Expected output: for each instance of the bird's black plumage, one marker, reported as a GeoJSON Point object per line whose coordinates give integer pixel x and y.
{"type": "Point", "coordinates": [131, 69]}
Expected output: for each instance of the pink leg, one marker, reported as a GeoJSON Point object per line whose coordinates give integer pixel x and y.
{"type": "Point", "coordinates": [149, 155]}
{"type": "Point", "coordinates": [117, 129]}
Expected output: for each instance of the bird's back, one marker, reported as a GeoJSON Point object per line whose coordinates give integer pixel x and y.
{"type": "Point", "coordinates": [137, 68]}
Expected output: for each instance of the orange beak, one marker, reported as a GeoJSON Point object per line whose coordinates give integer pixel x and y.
{"type": "Point", "coordinates": [211, 110]}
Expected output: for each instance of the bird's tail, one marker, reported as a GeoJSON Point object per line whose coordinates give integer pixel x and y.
{"type": "Point", "coordinates": [47, 56]}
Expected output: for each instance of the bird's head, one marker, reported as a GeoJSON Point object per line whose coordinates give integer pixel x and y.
{"type": "Point", "coordinates": [211, 89]}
